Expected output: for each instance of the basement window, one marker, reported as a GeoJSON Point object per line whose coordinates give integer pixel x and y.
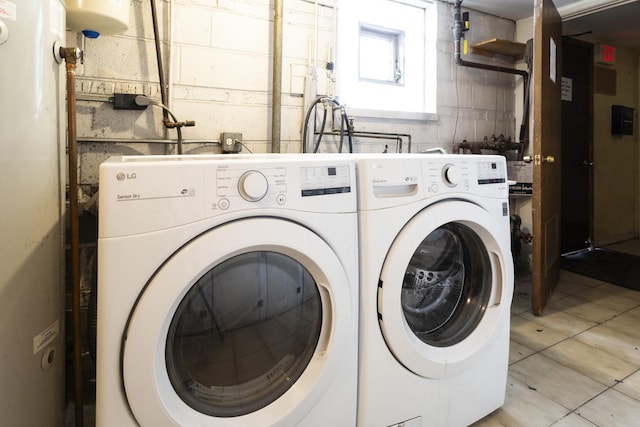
{"type": "Point", "coordinates": [381, 55]}
{"type": "Point", "coordinates": [386, 58]}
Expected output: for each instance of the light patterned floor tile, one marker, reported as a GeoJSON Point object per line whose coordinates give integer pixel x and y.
{"type": "Point", "coordinates": [573, 420]}
{"type": "Point", "coordinates": [556, 295]}
{"type": "Point", "coordinates": [560, 321]}
{"type": "Point", "coordinates": [627, 323]}
{"type": "Point", "coordinates": [533, 335]}
{"type": "Point", "coordinates": [583, 309]}
{"type": "Point", "coordinates": [554, 380]}
{"type": "Point", "coordinates": [630, 386]}
{"type": "Point", "coordinates": [570, 281]}
{"type": "Point", "coordinates": [612, 341]}
{"type": "Point", "coordinates": [590, 361]}
{"type": "Point", "coordinates": [520, 304]}
{"type": "Point", "coordinates": [490, 420]}
{"type": "Point", "coordinates": [612, 409]}
{"type": "Point", "coordinates": [518, 352]}
{"type": "Point", "coordinates": [614, 297]}
{"type": "Point", "coordinates": [524, 407]}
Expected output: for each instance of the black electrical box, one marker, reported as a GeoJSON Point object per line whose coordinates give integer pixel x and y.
{"type": "Point", "coordinates": [621, 120]}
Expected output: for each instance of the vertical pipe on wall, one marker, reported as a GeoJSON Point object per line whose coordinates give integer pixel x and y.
{"type": "Point", "coordinates": [170, 55]}
{"type": "Point", "coordinates": [276, 102]}
{"type": "Point", "coordinates": [71, 55]}
{"type": "Point", "coordinates": [163, 87]}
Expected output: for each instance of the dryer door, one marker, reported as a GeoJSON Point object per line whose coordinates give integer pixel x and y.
{"type": "Point", "coordinates": [243, 325]}
{"type": "Point", "coordinates": [445, 287]}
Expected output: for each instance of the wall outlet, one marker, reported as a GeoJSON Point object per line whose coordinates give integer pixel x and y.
{"type": "Point", "coordinates": [231, 142]}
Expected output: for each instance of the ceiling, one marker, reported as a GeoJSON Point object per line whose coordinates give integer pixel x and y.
{"type": "Point", "coordinates": [614, 22]}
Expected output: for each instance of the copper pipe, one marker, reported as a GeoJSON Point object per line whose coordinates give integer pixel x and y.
{"type": "Point", "coordinates": [71, 55]}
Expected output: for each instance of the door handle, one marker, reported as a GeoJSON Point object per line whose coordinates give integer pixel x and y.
{"type": "Point", "coordinates": [538, 159]}
{"type": "Point", "coordinates": [587, 164]}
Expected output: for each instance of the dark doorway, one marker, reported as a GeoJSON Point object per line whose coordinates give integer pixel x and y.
{"type": "Point", "coordinates": [577, 145]}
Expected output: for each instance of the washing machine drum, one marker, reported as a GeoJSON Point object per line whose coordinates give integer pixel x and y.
{"type": "Point", "coordinates": [445, 286]}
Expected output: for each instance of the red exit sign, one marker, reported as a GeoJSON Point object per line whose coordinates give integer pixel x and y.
{"type": "Point", "coordinates": [606, 54]}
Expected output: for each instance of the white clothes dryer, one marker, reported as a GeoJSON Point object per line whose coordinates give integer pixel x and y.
{"type": "Point", "coordinates": [227, 291]}
{"type": "Point", "coordinates": [436, 283]}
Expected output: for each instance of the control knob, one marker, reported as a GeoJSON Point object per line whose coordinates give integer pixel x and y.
{"type": "Point", "coordinates": [451, 175]}
{"type": "Point", "coordinates": [253, 186]}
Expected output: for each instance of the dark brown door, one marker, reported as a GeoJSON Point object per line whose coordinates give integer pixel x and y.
{"type": "Point", "coordinates": [547, 80]}
{"type": "Point", "coordinates": [577, 145]}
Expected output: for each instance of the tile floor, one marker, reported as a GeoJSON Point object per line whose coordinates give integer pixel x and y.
{"type": "Point", "coordinates": [578, 364]}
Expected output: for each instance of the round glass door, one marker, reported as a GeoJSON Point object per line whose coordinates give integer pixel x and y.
{"type": "Point", "coordinates": [243, 325]}
{"type": "Point", "coordinates": [243, 334]}
{"type": "Point", "coordinates": [445, 286]}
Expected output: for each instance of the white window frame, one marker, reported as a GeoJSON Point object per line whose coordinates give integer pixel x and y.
{"type": "Point", "coordinates": [417, 21]}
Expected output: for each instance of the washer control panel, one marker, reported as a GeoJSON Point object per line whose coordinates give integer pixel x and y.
{"type": "Point", "coordinates": [491, 172]}
{"type": "Point", "coordinates": [391, 179]}
{"type": "Point", "coordinates": [319, 180]}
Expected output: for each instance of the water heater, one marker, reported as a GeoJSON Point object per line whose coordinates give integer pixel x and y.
{"type": "Point", "coordinates": [98, 17]}
{"type": "Point", "coordinates": [32, 162]}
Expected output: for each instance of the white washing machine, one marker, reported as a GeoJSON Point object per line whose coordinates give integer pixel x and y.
{"type": "Point", "coordinates": [228, 291]}
{"type": "Point", "coordinates": [436, 279]}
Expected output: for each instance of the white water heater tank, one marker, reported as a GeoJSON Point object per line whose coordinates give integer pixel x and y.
{"type": "Point", "coordinates": [98, 17]}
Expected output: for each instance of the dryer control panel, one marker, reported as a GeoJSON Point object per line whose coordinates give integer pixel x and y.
{"type": "Point", "coordinates": [147, 193]}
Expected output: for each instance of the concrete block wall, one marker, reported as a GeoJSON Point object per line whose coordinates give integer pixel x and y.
{"type": "Point", "coordinates": [217, 56]}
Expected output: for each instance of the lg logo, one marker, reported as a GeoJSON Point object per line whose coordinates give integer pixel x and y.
{"type": "Point", "coordinates": [122, 176]}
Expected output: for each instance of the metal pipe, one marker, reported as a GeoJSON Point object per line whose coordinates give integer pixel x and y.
{"type": "Point", "coordinates": [458, 32]}
{"type": "Point", "coordinates": [276, 101]}
{"type": "Point", "coordinates": [71, 55]}
{"type": "Point", "coordinates": [91, 140]}
{"type": "Point", "coordinates": [170, 56]}
{"type": "Point", "coordinates": [397, 137]}
{"type": "Point", "coordinates": [163, 87]}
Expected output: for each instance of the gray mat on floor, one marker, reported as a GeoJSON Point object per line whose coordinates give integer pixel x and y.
{"type": "Point", "coordinates": [603, 264]}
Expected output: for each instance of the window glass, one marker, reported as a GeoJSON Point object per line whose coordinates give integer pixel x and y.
{"type": "Point", "coordinates": [243, 334]}
{"type": "Point", "coordinates": [381, 55]}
